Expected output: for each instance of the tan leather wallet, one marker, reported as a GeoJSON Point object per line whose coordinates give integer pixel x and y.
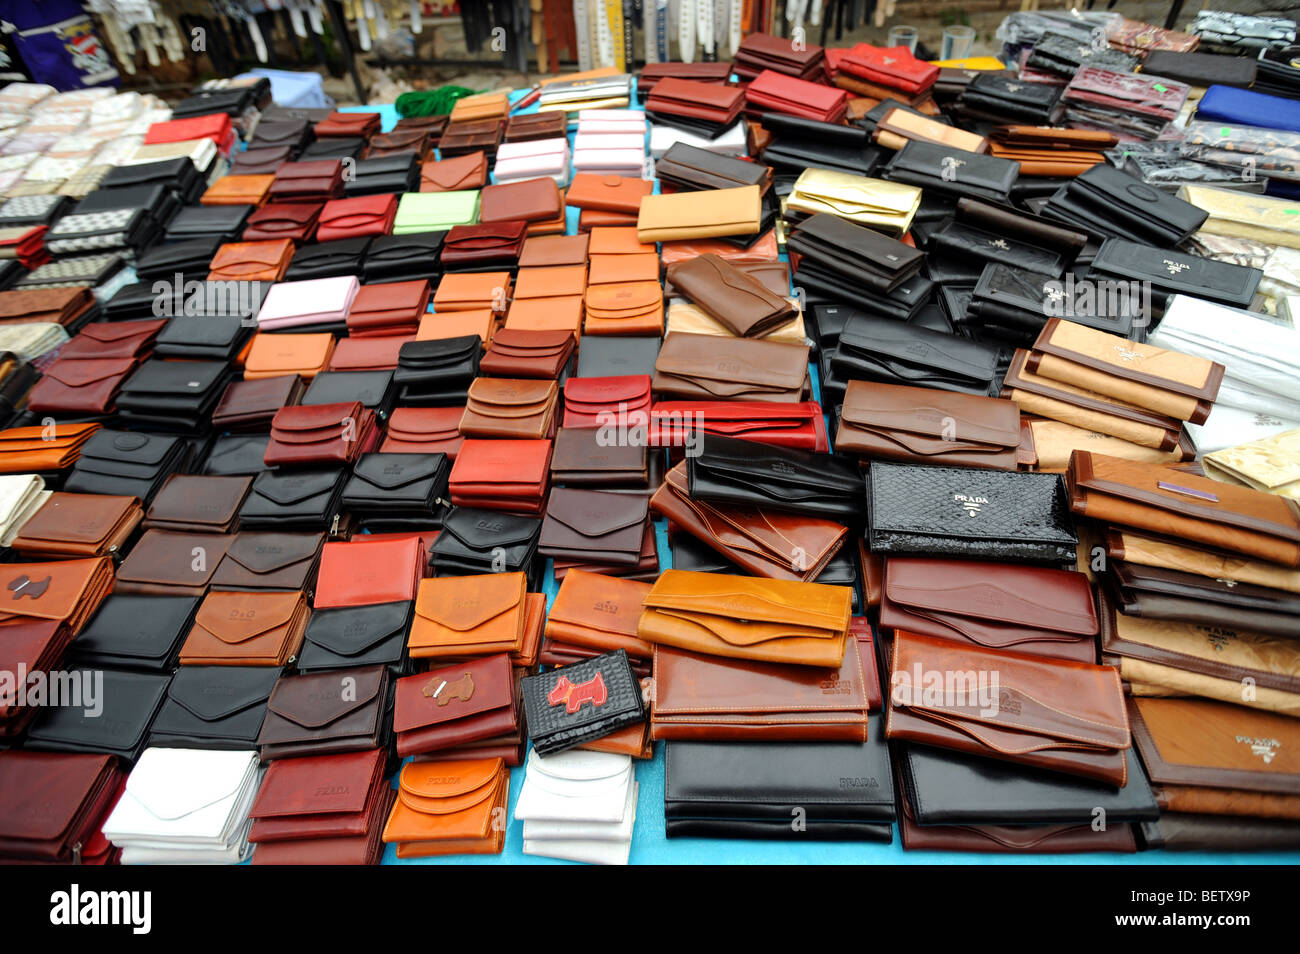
{"type": "Point", "coordinates": [705, 214]}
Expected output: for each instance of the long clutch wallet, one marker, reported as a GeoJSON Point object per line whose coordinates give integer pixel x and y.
{"type": "Point", "coordinates": [737, 300]}
{"type": "Point", "coordinates": [736, 472]}
{"type": "Point", "coordinates": [1183, 506]}
{"type": "Point", "coordinates": [709, 697]}
{"type": "Point", "coordinates": [1035, 610]}
{"type": "Point", "coordinates": [927, 426]}
{"type": "Point", "coordinates": [766, 543]}
{"type": "Point", "coordinates": [972, 514]}
{"type": "Point", "coordinates": [1052, 714]}
{"type": "Point", "coordinates": [894, 352]}
{"type": "Point", "coordinates": [705, 366]}
{"type": "Point", "coordinates": [777, 621]}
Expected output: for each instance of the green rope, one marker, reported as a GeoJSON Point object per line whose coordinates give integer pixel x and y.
{"type": "Point", "coordinates": [431, 102]}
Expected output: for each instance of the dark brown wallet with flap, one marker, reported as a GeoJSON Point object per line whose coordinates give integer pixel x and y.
{"type": "Point", "coordinates": [593, 526]}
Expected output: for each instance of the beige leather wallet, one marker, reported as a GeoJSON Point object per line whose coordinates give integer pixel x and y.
{"type": "Point", "coordinates": [706, 214]}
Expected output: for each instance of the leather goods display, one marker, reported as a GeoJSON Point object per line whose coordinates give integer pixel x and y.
{"type": "Point", "coordinates": [753, 789]}
{"type": "Point", "coordinates": [528, 354]}
{"type": "Point", "coordinates": [783, 621]}
{"type": "Point", "coordinates": [594, 525]}
{"type": "Point", "coordinates": [581, 459]}
{"type": "Point", "coordinates": [1083, 731]}
{"type": "Point", "coordinates": [534, 126]}
{"type": "Point", "coordinates": [423, 430]}
{"type": "Point", "coordinates": [607, 193]}
{"type": "Point", "coordinates": [449, 808]}
{"type": "Point", "coordinates": [1034, 610]}
{"type": "Point", "coordinates": [915, 510]}
{"type": "Point", "coordinates": [532, 200]}
{"type": "Point", "coordinates": [580, 703]}
{"type": "Point", "coordinates": [1185, 507]}
{"type": "Point", "coordinates": [308, 715]}
{"type": "Point", "coordinates": [371, 635]}
{"type": "Point", "coordinates": [126, 463]}
{"type": "Point", "coordinates": [474, 541]}
{"type": "Point", "coordinates": [775, 92]}
{"type": "Point", "coordinates": [717, 699]}
{"type": "Point", "coordinates": [736, 473]}
{"type": "Point", "coordinates": [501, 474]}
{"type": "Point", "coordinates": [246, 629]}
{"type": "Point", "coordinates": [391, 258]}
{"type": "Point", "coordinates": [172, 395]}
{"type": "Point", "coordinates": [65, 591]}
{"type": "Point", "coordinates": [877, 261]}
{"type": "Point", "coordinates": [703, 366]}
{"type": "Point", "coordinates": [357, 217]}
{"type": "Point", "coordinates": [468, 616]}
{"type": "Point", "coordinates": [490, 243]}
{"type": "Point", "coordinates": [117, 727]}
{"type": "Point", "coordinates": [393, 308]}
{"type": "Point", "coordinates": [697, 215]}
{"type": "Point", "coordinates": [213, 707]}
{"type": "Point", "coordinates": [1201, 69]}
{"type": "Point", "coordinates": [305, 436]}
{"type": "Point", "coordinates": [736, 299]}
{"type": "Point", "coordinates": [927, 426]}
{"type": "Point", "coordinates": [677, 423]}
{"type": "Point", "coordinates": [1137, 104]}
{"type": "Point", "coordinates": [876, 348]}
{"type": "Point", "coordinates": [270, 561]}
{"type": "Point", "coordinates": [398, 491]}
{"type": "Point", "coordinates": [449, 707]}
{"type": "Point", "coordinates": [55, 804]}
{"type": "Point", "coordinates": [765, 542]}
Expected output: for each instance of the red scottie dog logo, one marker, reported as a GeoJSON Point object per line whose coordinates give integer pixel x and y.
{"type": "Point", "coordinates": [572, 697]}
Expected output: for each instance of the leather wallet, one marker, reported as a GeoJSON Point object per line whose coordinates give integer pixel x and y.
{"type": "Point", "coordinates": [319, 799]}
{"type": "Point", "coordinates": [384, 175]}
{"type": "Point", "coordinates": [128, 463]}
{"type": "Point", "coordinates": [624, 307]}
{"type": "Point", "coordinates": [1201, 69]}
{"type": "Point", "coordinates": [400, 142]}
{"type": "Point", "coordinates": [27, 449]}
{"type": "Point", "coordinates": [449, 808]}
{"type": "Point", "coordinates": [437, 371]}
{"type": "Point", "coordinates": [760, 51]}
{"type": "Point", "coordinates": [62, 306]}
{"type": "Point", "coordinates": [487, 244]}
{"type": "Point", "coordinates": [258, 160]}
{"type": "Point", "coordinates": [213, 707]}
{"type": "Point", "coordinates": [545, 250]}
{"type": "Point", "coordinates": [373, 635]}
{"type": "Point", "coordinates": [594, 525]}
{"type": "Point", "coordinates": [357, 217]}
{"type": "Point", "coordinates": [581, 459]}
{"type": "Point", "coordinates": [466, 616]}
{"type": "Point", "coordinates": [970, 514]}
{"type": "Point", "coordinates": [593, 402]}
{"type": "Point", "coordinates": [245, 190]}
{"type": "Point", "coordinates": [67, 591]}
{"type": "Point", "coordinates": [1114, 204]}
{"type": "Point", "coordinates": [251, 261]}
{"type": "Point", "coordinates": [271, 355]}
{"type": "Point", "coordinates": [295, 221]}
{"type": "Point", "coordinates": [395, 491]}
{"type": "Point", "coordinates": [451, 706]}
{"type": "Point", "coordinates": [776, 621]}
{"type": "Point", "coordinates": [1156, 593]}
{"type": "Point", "coordinates": [502, 407]}
{"type": "Point", "coordinates": [119, 727]}
{"type": "Point", "coordinates": [171, 563]}
{"type": "Point", "coordinates": [533, 200]}
{"type": "Point", "coordinates": [480, 106]}
{"type": "Point", "coordinates": [703, 366]}
{"type": "Point", "coordinates": [513, 353]}
{"type": "Point", "coordinates": [1084, 731]}
{"type": "Point", "coordinates": [1223, 282]}
{"type": "Point", "coordinates": [945, 170]}
{"type": "Point", "coordinates": [799, 426]}
{"type": "Point", "coordinates": [320, 434]}
{"type": "Point", "coordinates": [580, 703]}
{"type": "Point", "coordinates": [80, 385]}
{"type": "Point", "coordinates": [298, 499]}
{"type": "Point", "coordinates": [308, 714]}
{"type": "Point", "coordinates": [369, 569]}
{"type": "Point", "coordinates": [696, 215]}
{"type": "Point", "coordinates": [533, 126]}
{"type": "Point", "coordinates": [775, 92]}
{"type": "Point", "coordinates": [876, 348]}
{"type": "Point", "coordinates": [501, 474]}
{"type": "Point", "coordinates": [270, 561]}
{"type": "Point", "coordinates": [197, 504]}
{"type": "Point", "coordinates": [392, 308]}
{"type": "Point", "coordinates": [736, 299]}
{"type": "Point", "coordinates": [1138, 105]}
{"type": "Point", "coordinates": [469, 291]}
{"type": "Point", "coordinates": [78, 525]}
{"type": "Point", "coordinates": [435, 212]}
{"type": "Point", "coordinates": [246, 629]}
{"type": "Point", "coordinates": [135, 631]}
{"type": "Point", "coordinates": [598, 612]}
{"type": "Point", "coordinates": [1034, 610]}
{"type": "Point", "coordinates": [927, 426]}
{"type": "Point", "coordinates": [459, 173]}
{"type": "Point", "coordinates": [898, 126]}
{"type": "Point", "coordinates": [403, 257]}
{"type": "Point", "coordinates": [712, 698]}
{"type": "Point", "coordinates": [474, 541]}
{"type": "Point", "coordinates": [55, 804]}
{"type": "Point", "coordinates": [363, 124]}
{"type": "Point", "coordinates": [855, 251]}
{"type": "Point", "coordinates": [423, 430]}
{"type": "Point", "coordinates": [607, 193]}
{"type": "Point", "coordinates": [250, 405]}
{"type": "Point", "coordinates": [709, 102]}
{"type": "Point", "coordinates": [1183, 506]}
{"type": "Point", "coordinates": [738, 473]}
{"type": "Point", "coordinates": [366, 354]}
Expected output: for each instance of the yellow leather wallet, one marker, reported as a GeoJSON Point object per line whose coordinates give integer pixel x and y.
{"type": "Point", "coordinates": [887, 206]}
{"type": "Point", "coordinates": [708, 213]}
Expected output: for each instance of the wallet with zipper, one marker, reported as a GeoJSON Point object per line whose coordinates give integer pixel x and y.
{"type": "Point", "coordinates": [294, 499]}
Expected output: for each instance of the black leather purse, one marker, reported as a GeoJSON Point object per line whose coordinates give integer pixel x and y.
{"type": "Point", "coordinates": [357, 636]}
{"type": "Point", "coordinates": [293, 499]}
{"type": "Point", "coordinates": [121, 727]}
{"type": "Point", "coordinates": [746, 474]}
{"type": "Point", "coordinates": [401, 258]}
{"type": "Point", "coordinates": [860, 254]}
{"type": "Point", "coordinates": [374, 389]}
{"type": "Point", "coordinates": [135, 631]}
{"type": "Point", "coordinates": [437, 372]}
{"type": "Point", "coordinates": [954, 172]}
{"type": "Point", "coordinates": [214, 707]}
{"type": "Point", "coordinates": [880, 349]}
{"type": "Point", "coordinates": [226, 222]}
{"type": "Point", "coordinates": [398, 491]}
{"type": "Point", "coordinates": [206, 337]}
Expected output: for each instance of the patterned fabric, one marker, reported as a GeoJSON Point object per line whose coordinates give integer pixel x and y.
{"type": "Point", "coordinates": [30, 207]}
{"type": "Point", "coordinates": [72, 271]}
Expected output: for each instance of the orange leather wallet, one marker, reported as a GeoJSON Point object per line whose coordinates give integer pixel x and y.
{"type": "Point", "coordinates": [454, 807]}
{"type": "Point", "coordinates": [460, 616]}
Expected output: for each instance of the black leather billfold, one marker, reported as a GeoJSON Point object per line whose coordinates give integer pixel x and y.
{"type": "Point", "coordinates": [955, 172]}
{"type": "Point", "coordinates": [400, 258]}
{"type": "Point", "coordinates": [581, 703]}
{"type": "Point", "coordinates": [117, 725]}
{"type": "Point", "coordinates": [328, 259]}
{"type": "Point", "coordinates": [742, 473]}
{"type": "Point", "coordinates": [214, 707]}
{"type": "Point", "coordinates": [127, 463]}
{"type": "Point", "coordinates": [135, 631]}
{"type": "Point", "coordinates": [482, 541]}
{"type": "Point", "coordinates": [357, 636]}
{"type": "Point", "coordinates": [297, 499]}
{"type": "Point", "coordinates": [881, 349]}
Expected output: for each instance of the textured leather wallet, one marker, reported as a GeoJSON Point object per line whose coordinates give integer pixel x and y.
{"type": "Point", "coordinates": [580, 703]}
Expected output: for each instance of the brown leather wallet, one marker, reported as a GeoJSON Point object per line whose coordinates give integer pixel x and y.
{"type": "Point", "coordinates": [251, 261]}
{"type": "Point", "coordinates": [400, 142]}
{"type": "Point", "coordinates": [504, 407]}
{"type": "Point", "coordinates": [704, 366]}
{"type": "Point", "coordinates": [533, 200]}
{"type": "Point", "coordinates": [593, 525]}
{"type": "Point", "coordinates": [250, 405]}
{"type": "Point", "coordinates": [171, 564]}
{"type": "Point", "coordinates": [85, 525]}
{"type": "Point", "coordinates": [457, 174]}
{"type": "Point", "coordinates": [533, 126]}
{"type": "Point", "coordinates": [454, 705]}
{"type": "Point", "coordinates": [471, 291]}
{"type": "Point", "coordinates": [739, 301]}
{"type": "Point", "coordinates": [775, 545]}
{"type": "Point", "coordinates": [238, 190]}
{"type": "Point", "coordinates": [465, 616]}
{"type": "Point", "coordinates": [480, 106]}
{"type": "Point", "coordinates": [528, 354]}
{"type": "Point", "coordinates": [60, 306]}
{"type": "Point", "coordinates": [581, 459]}
{"type": "Point", "coordinates": [387, 309]}
{"type": "Point", "coordinates": [599, 612]}
{"type": "Point", "coordinates": [777, 621]}
{"type": "Point", "coordinates": [424, 430]}
{"type": "Point", "coordinates": [317, 179]}
{"type": "Point", "coordinates": [543, 250]}
{"type": "Point", "coordinates": [270, 561]}
{"type": "Point", "coordinates": [246, 629]}
{"type": "Point", "coordinates": [308, 714]}
{"type": "Point", "coordinates": [610, 269]}
{"type": "Point", "coordinates": [65, 591]}
{"type": "Point", "coordinates": [304, 435]}
{"type": "Point", "coordinates": [323, 797]}
{"type": "Point", "coordinates": [711, 698]}
{"type": "Point", "coordinates": [1052, 714]}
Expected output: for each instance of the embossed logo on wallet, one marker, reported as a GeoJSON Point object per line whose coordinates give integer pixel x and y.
{"type": "Point", "coordinates": [23, 585]}
{"type": "Point", "coordinates": [1266, 749]}
{"type": "Point", "coordinates": [1128, 354]}
{"type": "Point", "coordinates": [1007, 703]}
{"type": "Point", "coordinates": [863, 781]}
{"type": "Point", "coordinates": [325, 790]}
{"type": "Point", "coordinates": [444, 691]}
{"type": "Point", "coordinates": [606, 606]}
{"type": "Point", "coordinates": [489, 526]}
{"type": "Point", "coordinates": [1175, 268]}
{"type": "Point", "coordinates": [572, 696]}
{"type": "Point", "coordinates": [836, 687]}
{"type": "Point", "coordinates": [972, 505]}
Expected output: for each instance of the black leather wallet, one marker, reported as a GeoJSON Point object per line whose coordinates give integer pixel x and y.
{"type": "Point", "coordinates": [746, 474]}
{"type": "Point", "coordinates": [235, 454]}
{"type": "Point", "coordinates": [1177, 273]}
{"type": "Point", "coordinates": [191, 258]}
{"type": "Point", "coordinates": [295, 499]}
{"type": "Point", "coordinates": [799, 143]}
{"type": "Point", "coordinates": [174, 394]}
{"type": "Point", "coordinates": [823, 791]}
{"type": "Point", "coordinates": [1157, 593]}
{"type": "Point", "coordinates": [1111, 203]}
{"type": "Point", "coordinates": [177, 174]}
{"type": "Point", "coordinates": [398, 491]}
{"type": "Point", "coordinates": [603, 356]}
{"type": "Point", "coordinates": [690, 167]}
{"type": "Point", "coordinates": [396, 174]}
{"type": "Point", "coordinates": [860, 254]}
{"type": "Point", "coordinates": [118, 725]}
{"type": "Point", "coordinates": [308, 715]}
{"type": "Point", "coordinates": [333, 147]}
{"type": "Point", "coordinates": [961, 240]}
{"type": "Point", "coordinates": [1203, 69]}
{"type": "Point", "coordinates": [951, 788]}
{"type": "Point", "coordinates": [821, 284]}
{"type": "Point", "coordinates": [1014, 303]}
{"type": "Point", "coordinates": [226, 222]}
{"type": "Point", "coordinates": [357, 636]}
{"type": "Point", "coordinates": [476, 541]}
{"type": "Point", "coordinates": [971, 513]}
{"type": "Point", "coordinates": [1063, 55]}
{"type": "Point", "coordinates": [135, 631]}
{"type": "Point", "coordinates": [127, 463]}
{"type": "Point", "coordinates": [566, 707]}
{"type": "Point", "coordinates": [880, 349]}
{"type": "Point", "coordinates": [438, 371]}
{"type": "Point", "coordinates": [214, 707]}
{"type": "Point", "coordinates": [401, 258]}
{"type": "Point", "coordinates": [1179, 831]}
{"type": "Point", "coordinates": [207, 337]}
{"type": "Point", "coordinates": [950, 171]}
{"type": "Point", "coordinates": [374, 389]}
{"type": "Point", "coordinates": [328, 259]}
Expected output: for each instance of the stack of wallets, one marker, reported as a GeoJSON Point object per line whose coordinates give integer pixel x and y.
{"type": "Point", "coordinates": [594, 92]}
{"type": "Point", "coordinates": [533, 158]}
{"type": "Point", "coordinates": [579, 806]}
{"type": "Point", "coordinates": [1138, 105]}
{"type": "Point", "coordinates": [465, 710]}
{"type": "Point", "coordinates": [55, 805]}
{"type": "Point", "coordinates": [186, 806]}
{"type": "Point", "coordinates": [456, 807]}
{"type": "Point", "coordinates": [610, 142]}
{"type": "Point", "coordinates": [322, 810]}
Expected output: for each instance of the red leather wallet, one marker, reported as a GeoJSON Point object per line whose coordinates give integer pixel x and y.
{"type": "Point", "coordinates": [488, 243]}
{"type": "Point", "coordinates": [295, 221]}
{"type": "Point", "coordinates": [533, 200]}
{"type": "Point", "coordinates": [455, 705]}
{"type": "Point", "coordinates": [340, 124]}
{"type": "Point", "coordinates": [516, 353]}
{"type": "Point", "coordinates": [775, 92]}
{"type": "Point", "coordinates": [891, 66]}
{"type": "Point", "coordinates": [113, 339]}
{"type": "Point", "coordinates": [80, 385]}
{"type": "Point", "coordinates": [424, 430]}
{"type": "Point", "coordinates": [708, 101]}
{"type": "Point", "coordinates": [317, 796]}
{"type": "Point", "coordinates": [620, 194]}
{"type": "Point", "coordinates": [303, 435]}
{"type": "Point", "coordinates": [501, 474]}
{"type": "Point", "coordinates": [54, 803]}
{"type": "Point", "coordinates": [357, 217]}
{"type": "Point", "coordinates": [214, 126]}
{"type": "Point", "coordinates": [361, 572]}
{"type": "Point", "coordinates": [370, 353]}
{"type": "Point", "coordinates": [586, 399]}
{"type": "Point", "coordinates": [801, 426]}
{"type": "Point", "coordinates": [394, 308]}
